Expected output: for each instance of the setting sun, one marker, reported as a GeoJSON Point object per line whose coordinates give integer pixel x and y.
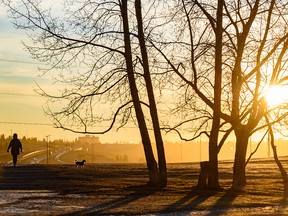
{"type": "Point", "coordinates": [276, 95]}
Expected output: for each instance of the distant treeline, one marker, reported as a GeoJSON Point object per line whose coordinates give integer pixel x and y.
{"type": "Point", "coordinates": [32, 143]}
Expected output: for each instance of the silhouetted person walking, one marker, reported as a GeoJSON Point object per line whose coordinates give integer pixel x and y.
{"type": "Point", "coordinates": [15, 146]}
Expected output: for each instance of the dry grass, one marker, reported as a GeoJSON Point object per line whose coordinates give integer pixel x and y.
{"type": "Point", "coordinates": [119, 189]}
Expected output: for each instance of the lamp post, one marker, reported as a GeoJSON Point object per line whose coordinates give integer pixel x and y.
{"type": "Point", "coordinates": [47, 139]}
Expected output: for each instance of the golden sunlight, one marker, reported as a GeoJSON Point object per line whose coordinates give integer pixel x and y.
{"type": "Point", "coordinates": [276, 95]}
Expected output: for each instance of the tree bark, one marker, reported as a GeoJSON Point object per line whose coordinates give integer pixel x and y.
{"type": "Point", "coordinates": [150, 160]}
{"type": "Point", "coordinates": [151, 97]}
{"type": "Point", "coordinates": [239, 175]}
{"type": "Point", "coordinates": [213, 178]}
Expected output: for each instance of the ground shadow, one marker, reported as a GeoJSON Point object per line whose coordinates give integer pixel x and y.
{"type": "Point", "coordinates": [33, 177]}
{"type": "Point", "coordinates": [109, 189]}
{"type": "Point", "coordinates": [135, 193]}
{"type": "Point", "coordinates": [193, 200]}
{"type": "Point", "coordinates": [225, 202]}
{"type": "Point", "coordinates": [190, 201]}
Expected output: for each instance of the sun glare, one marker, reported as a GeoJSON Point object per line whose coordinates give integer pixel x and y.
{"type": "Point", "coordinates": [276, 95]}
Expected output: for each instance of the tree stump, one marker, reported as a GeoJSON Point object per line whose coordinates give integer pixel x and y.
{"type": "Point", "coordinates": [203, 176]}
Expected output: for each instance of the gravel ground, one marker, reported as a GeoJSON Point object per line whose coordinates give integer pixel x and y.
{"type": "Point", "coordinates": [119, 189]}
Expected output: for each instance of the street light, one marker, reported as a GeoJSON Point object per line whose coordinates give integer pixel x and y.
{"type": "Point", "coordinates": [47, 139]}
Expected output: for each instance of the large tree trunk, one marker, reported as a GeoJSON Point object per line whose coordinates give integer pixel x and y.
{"type": "Point", "coordinates": [150, 160]}
{"type": "Point", "coordinates": [150, 92]}
{"type": "Point", "coordinates": [239, 175]}
{"type": "Point", "coordinates": [213, 179]}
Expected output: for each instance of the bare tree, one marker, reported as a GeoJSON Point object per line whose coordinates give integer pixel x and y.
{"type": "Point", "coordinates": [151, 163]}
{"type": "Point", "coordinates": [253, 58]}
{"type": "Point", "coordinates": [90, 47]}
{"type": "Point", "coordinates": [250, 72]}
{"type": "Point", "coordinates": [213, 26]}
{"type": "Point", "coordinates": [213, 181]}
{"type": "Point", "coordinates": [151, 97]}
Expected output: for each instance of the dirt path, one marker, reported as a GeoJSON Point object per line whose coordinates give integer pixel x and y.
{"type": "Point", "coordinates": [117, 189]}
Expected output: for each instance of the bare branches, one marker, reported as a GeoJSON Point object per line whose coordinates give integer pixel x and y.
{"type": "Point", "coordinates": [83, 45]}
{"type": "Point", "coordinates": [83, 128]}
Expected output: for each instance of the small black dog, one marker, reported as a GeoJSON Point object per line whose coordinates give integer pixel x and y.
{"type": "Point", "coordinates": [80, 163]}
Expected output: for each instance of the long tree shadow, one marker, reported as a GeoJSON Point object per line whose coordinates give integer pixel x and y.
{"type": "Point", "coordinates": [224, 202]}
{"type": "Point", "coordinates": [137, 192]}
{"type": "Point", "coordinates": [193, 200]}
{"type": "Point", "coordinates": [190, 202]}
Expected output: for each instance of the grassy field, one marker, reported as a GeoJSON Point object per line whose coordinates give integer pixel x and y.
{"type": "Point", "coordinates": [119, 189]}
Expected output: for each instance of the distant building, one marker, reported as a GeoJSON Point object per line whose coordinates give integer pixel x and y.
{"type": "Point", "coordinates": [89, 140]}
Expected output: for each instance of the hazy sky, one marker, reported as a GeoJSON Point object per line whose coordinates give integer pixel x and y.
{"type": "Point", "coordinates": [19, 104]}
{"type": "Point", "coordinates": [20, 107]}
